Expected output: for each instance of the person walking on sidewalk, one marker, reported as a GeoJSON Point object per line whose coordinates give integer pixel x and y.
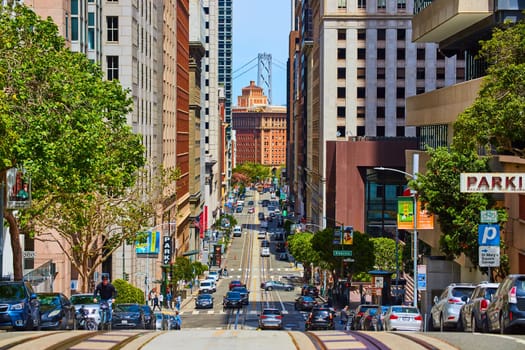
{"type": "Point", "coordinates": [156, 302]}
{"type": "Point", "coordinates": [168, 299]}
{"type": "Point", "coordinates": [178, 302]}
{"type": "Point", "coordinates": [161, 301]}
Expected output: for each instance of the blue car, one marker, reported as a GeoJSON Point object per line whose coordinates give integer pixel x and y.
{"type": "Point", "coordinates": [19, 306]}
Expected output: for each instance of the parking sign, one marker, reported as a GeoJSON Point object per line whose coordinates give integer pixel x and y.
{"type": "Point", "coordinates": [488, 235]}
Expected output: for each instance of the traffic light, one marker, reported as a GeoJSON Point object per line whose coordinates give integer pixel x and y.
{"type": "Point", "coordinates": [126, 276]}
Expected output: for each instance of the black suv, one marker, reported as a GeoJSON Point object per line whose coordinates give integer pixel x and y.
{"type": "Point", "coordinates": [320, 318]}
{"type": "Point", "coordinates": [507, 309]}
{"type": "Point", "coordinates": [19, 306]}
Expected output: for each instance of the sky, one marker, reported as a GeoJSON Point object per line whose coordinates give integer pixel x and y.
{"type": "Point", "coordinates": [260, 26]}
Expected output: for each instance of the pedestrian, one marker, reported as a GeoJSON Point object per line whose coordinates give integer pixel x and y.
{"type": "Point", "coordinates": [161, 301]}
{"type": "Point", "coordinates": [152, 296]}
{"type": "Point", "coordinates": [168, 299]}
{"type": "Point", "coordinates": [178, 302]}
{"type": "Point", "coordinates": [156, 302]}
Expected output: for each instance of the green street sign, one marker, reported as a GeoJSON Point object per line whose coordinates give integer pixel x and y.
{"type": "Point", "coordinates": [342, 253]}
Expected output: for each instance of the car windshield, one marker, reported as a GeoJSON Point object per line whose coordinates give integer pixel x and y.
{"type": "Point", "coordinates": [12, 291]}
{"type": "Point", "coordinates": [207, 283]}
{"type": "Point", "coordinates": [204, 296]}
{"type": "Point", "coordinates": [461, 292]}
{"type": "Point", "coordinates": [405, 309]}
{"type": "Point", "coordinates": [51, 300]}
{"type": "Point", "coordinates": [81, 299]}
{"type": "Point", "coordinates": [240, 289]}
{"type": "Point", "coordinates": [271, 312]}
{"type": "Point", "coordinates": [233, 295]}
{"type": "Point", "coordinates": [127, 308]}
{"type": "Point", "coordinates": [321, 313]}
{"type": "Point", "coordinates": [489, 292]}
{"type": "Point", "coordinates": [308, 299]}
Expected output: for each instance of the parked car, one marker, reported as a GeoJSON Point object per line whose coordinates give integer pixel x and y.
{"type": "Point", "coordinates": [20, 307]}
{"type": "Point", "coordinates": [149, 317]}
{"type": "Point", "coordinates": [215, 275]}
{"type": "Point", "coordinates": [271, 285]}
{"type": "Point", "coordinates": [235, 283]}
{"type": "Point", "coordinates": [305, 303]}
{"type": "Point", "coordinates": [271, 318]}
{"type": "Point", "coordinates": [359, 312]}
{"type": "Point", "coordinates": [173, 323]}
{"type": "Point", "coordinates": [320, 318]}
{"type": "Point", "coordinates": [204, 301]}
{"type": "Point", "coordinates": [261, 235]}
{"type": "Point", "coordinates": [85, 300]}
{"type": "Point", "coordinates": [506, 311]}
{"type": "Point", "coordinates": [445, 312]}
{"type": "Point", "coordinates": [237, 231]}
{"type": "Point", "coordinates": [310, 290]}
{"type": "Point", "coordinates": [402, 318]}
{"type": "Point", "coordinates": [251, 210]}
{"type": "Point", "coordinates": [473, 314]}
{"type": "Point", "coordinates": [128, 315]}
{"type": "Point", "coordinates": [56, 311]}
{"type": "Point", "coordinates": [245, 293]}
{"type": "Point", "coordinates": [261, 216]}
{"type": "Point", "coordinates": [207, 286]}
{"type": "Point", "coordinates": [232, 300]}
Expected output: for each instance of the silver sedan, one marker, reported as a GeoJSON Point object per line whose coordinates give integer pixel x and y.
{"type": "Point", "coordinates": [402, 318]}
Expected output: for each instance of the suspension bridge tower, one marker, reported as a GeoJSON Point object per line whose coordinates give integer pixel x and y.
{"type": "Point", "coordinates": [264, 74]}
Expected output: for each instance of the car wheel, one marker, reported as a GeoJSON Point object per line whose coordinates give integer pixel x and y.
{"type": "Point", "coordinates": [288, 289]}
{"type": "Point", "coordinates": [269, 288]}
{"type": "Point", "coordinates": [473, 324]}
{"type": "Point", "coordinates": [441, 324]}
{"type": "Point", "coordinates": [459, 325]}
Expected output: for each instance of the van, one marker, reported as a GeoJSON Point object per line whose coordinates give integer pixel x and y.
{"type": "Point", "coordinates": [237, 231]}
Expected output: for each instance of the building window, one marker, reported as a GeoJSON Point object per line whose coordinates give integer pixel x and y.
{"type": "Point", "coordinates": [381, 34]}
{"type": "Point", "coordinates": [341, 53]}
{"type": "Point", "coordinates": [341, 112]}
{"type": "Point", "coordinates": [401, 34]}
{"type": "Point", "coordinates": [380, 112]}
{"type": "Point", "coordinates": [361, 111]}
{"type": "Point", "coordinates": [341, 4]}
{"type": "Point", "coordinates": [361, 4]}
{"type": "Point", "coordinates": [440, 73]}
{"type": "Point", "coordinates": [380, 131]}
{"type": "Point", "coordinates": [112, 23]}
{"type": "Point", "coordinates": [400, 112]}
{"type": "Point", "coordinates": [401, 73]}
{"type": "Point", "coordinates": [112, 63]}
{"type": "Point", "coordinates": [360, 131]}
{"type": "Point", "coordinates": [361, 53]}
{"type": "Point", "coordinates": [420, 54]}
{"type": "Point", "coordinates": [361, 92]}
{"type": "Point", "coordinates": [341, 73]}
{"type": "Point", "coordinates": [341, 131]}
{"type": "Point", "coordinates": [341, 34]}
{"type": "Point", "coordinates": [401, 4]}
{"type": "Point", "coordinates": [361, 73]}
{"type": "Point", "coordinates": [400, 92]}
{"type": "Point", "coordinates": [420, 73]}
{"type": "Point", "coordinates": [341, 92]}
{"type": "Point", "coordinates": [420, 90]}
{"type": "Point", "coordinates": [361, 34]}
{"type": "Point", "coordinates": [380, 73]}
{"type": "Point", "coordinates": [400, 54]}
{"type": "Point", "coordinates": [380, 92]}
{"type": "Point", "coordinates": [400, 131]}
{"type": "Point", "coordinates": [74, 20]}
{"type": "Point", "coordinates": [381, 54]}
{"type": "Point", "coordinates": [381, 4]}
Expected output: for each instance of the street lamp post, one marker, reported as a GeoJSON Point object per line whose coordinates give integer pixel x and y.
{"type": "Point", "coordinates": [414, 213]}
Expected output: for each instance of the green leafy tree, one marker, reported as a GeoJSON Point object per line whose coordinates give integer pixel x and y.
{"type": "Point", "coordinates": [250, 172]}
{"type": "Point", "coordinates": [127, 293]}
{"type": "Point", "coordinates": [185, 270]}
{"type": "Point", "coordinates": [458, 213]}
{"type": "Point", "coordinates": [496, 120]}
{"type": "Point", "coordinates": [61, 121]}
{"type": "Point", "coordinates": [300, 246]}
{"type": "Point", "coordinates": [385, 254]}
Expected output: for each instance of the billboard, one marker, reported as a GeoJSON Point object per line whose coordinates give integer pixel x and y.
{"type": "Point", "coordinates": [151, 245]}
{"type": "Point", "coordinates": [492, 182]}
{"type": "Point", "coordinates": [18, 189]}
{"type": "Point", "coordinates": [405, 215]}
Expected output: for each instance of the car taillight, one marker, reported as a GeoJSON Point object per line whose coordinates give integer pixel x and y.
{"type": "Point", "coordinates": [454, 300]}
{"type": "Point", "coordinates": [263, 316]}
{"type": "Point", "coordinates": [512, 295]}
{"type": "Point", "coordinates": [483, 305]}
{"type": "Point", "coordinates": [418, 318]}
{"type": "Point", "coordinates": [393, 317]}
{"type": "Point", "coordinates": [360, 313]}
{"type": "Point", "coordinates": [279, 317]}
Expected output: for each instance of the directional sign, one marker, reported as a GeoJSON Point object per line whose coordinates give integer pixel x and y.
{"type": "Point", "coordinates": [488, 235]}
{"type": "Point", "coordinates": [349, 260]}
{"type": "Point", "coordinates": [342, 253]}
{"type": "Point", "coordinates": [489, 216]}
{"type": "Point", "coordinates": [489, 256]}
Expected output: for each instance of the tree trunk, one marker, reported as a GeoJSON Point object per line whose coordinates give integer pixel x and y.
{"type": "Point", "coordinates": [14, 231]}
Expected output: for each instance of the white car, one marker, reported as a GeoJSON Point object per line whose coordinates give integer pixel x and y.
{"type": "Point", "coordinates": [261, 235]}
{"type": "Point", "coordinates": [207, 286]}
{"type": "Point", "coordinates": [214, 275]}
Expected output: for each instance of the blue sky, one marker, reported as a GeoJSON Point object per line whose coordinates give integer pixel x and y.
{"type": "Point", "coordinates": [260, 26]}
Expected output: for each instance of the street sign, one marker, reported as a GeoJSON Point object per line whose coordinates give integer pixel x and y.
{"type": "Point", "coordinates": [489, 256]}
{"type": "Point", "coordinates": [342, 253]}
{"type": "Point", "coordinates": [379, 282]}
{"type": "Point", "coordinates": [349, 260]}
{"type": "Point", "coordinates": [422, 277]}
{"type": "Point", "coordinates": [166, 256]}
{"type": "Point", "coordinates": [488, 235]}
{"type": "Point", "coordinates": [489, 216]}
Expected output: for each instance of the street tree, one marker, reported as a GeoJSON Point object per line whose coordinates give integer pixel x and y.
{"type": "Point", "coordinates": [385, 253]}
{"type": "Point", "coordinates": [458, 213]}
{"type": "Point", "coordinates": [300, 246]}
{"type": "Point", "coordinates": [62, 122]}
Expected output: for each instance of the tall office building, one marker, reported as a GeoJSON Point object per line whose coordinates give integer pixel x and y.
{"type": "Point", "coordinates": [352, 66]}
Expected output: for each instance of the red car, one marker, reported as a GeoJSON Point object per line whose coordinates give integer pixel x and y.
{"type": "Point", "coordinates": [251, 210]}
{"type": "Point", "coordinates": [236, 283]}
